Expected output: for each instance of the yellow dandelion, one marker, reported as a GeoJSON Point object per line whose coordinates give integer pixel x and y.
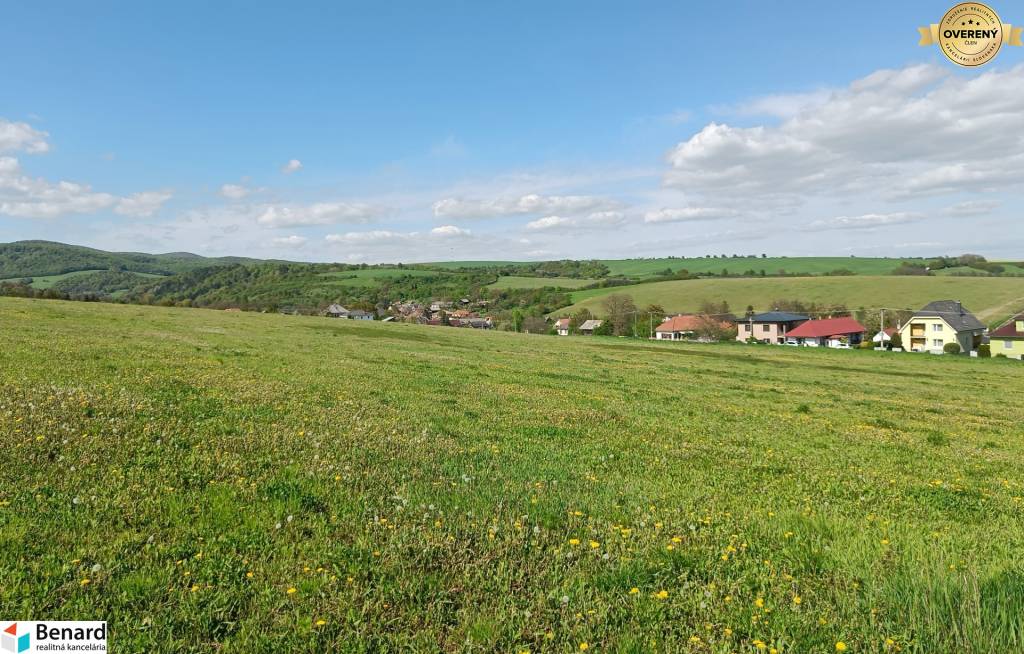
{"type": "Point", "coordinates": [584, 647]}
{"type": "Point", "coordinates": [796, 599]}
{"type": "Point", "coordinates": [759, 603]}
{"type": "Point", "coordinates": [840, 646]}
{"type": "Point", "coordinates": [594, 544]}
{"type": "Point", "coordinates": [321, 623]}
{"type": "Point", "coordinates": [574, 541]}
{"type": "Point", "coordinates": [85, 582]}
{"type": "Point", "coordinates": [661, 594]}
{"type": "Point", "coordinates": [291, 590]}
{"type": "Point", "coordinates": [634, 590]}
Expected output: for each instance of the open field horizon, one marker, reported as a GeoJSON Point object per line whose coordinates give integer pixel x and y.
{"type": "Point", "coordinates": [211, 481]}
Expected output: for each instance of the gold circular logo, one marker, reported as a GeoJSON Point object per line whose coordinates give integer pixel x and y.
{"type": "Point", "coordinates": [970, 34]}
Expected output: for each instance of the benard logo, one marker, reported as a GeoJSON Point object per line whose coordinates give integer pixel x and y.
{"type": "Point", "coordinates": [10, 641]}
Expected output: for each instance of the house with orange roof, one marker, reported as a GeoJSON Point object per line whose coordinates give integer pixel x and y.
{"type": "Point", "coordinates": [689, 326]}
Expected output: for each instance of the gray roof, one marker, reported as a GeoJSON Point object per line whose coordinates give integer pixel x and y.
{"type": "Point", "coordinates": [778, 316]}
{"type": "Point", "coordinates": [358, 312]}
{"type": "Point", "coordinates": [591, 324]}
{"type": "Point", "coordinates": [953, 313]}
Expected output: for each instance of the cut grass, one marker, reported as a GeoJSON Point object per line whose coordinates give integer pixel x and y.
{"type": "Point", "coordinates": [224, 482]}
{"type": "Point", "coordinates": [988, 298]}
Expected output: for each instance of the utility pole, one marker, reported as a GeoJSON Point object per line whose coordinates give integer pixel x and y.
{"type": "Point", "coordinates": [881, 327]}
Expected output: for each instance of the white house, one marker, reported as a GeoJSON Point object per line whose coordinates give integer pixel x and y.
{"type": "Point", "coordinates": [562, 326]}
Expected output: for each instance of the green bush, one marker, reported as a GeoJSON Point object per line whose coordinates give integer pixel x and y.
{"type": "Point", "coordinates": [866, 345]}
{"type": "Point", "coordinates": [951, 348]}
{"type": "Point", "coordinates": [984, 350]}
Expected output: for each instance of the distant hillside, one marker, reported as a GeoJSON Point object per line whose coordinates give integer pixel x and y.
{"type": "Point", "coordinates": [989, 297]}
{"type": "Point", "coordinates": [46, 258]}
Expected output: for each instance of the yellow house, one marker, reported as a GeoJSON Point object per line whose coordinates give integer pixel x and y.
{"type": "Point", "coordinates": [1008, 339]}
{"type": "Point", "coordinates": [939, 323]}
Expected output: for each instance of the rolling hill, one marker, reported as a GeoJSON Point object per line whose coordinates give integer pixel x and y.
{"type": "Point", "coordinates": [990, 298]}
{"type": "Point", "coordinates": [47, 258]}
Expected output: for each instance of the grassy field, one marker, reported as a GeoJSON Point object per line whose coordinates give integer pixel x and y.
{"type": "Point", "coordinates": [218, 482]}
{"type": "Point", "coordinates": [512, 281]}
{"type": "Point", "coordinates": [988, 298]}
{"type": "Point", "coordinates": [371, 276]}
{"type": "Point", "coordinates": [641, 268]}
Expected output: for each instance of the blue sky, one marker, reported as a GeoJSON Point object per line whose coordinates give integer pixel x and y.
{"type": "Point", "coordinates": [520, 130]}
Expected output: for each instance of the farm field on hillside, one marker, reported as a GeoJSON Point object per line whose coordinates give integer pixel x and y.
{"type": "Point", "coordinates": [511, 281]}
{"type": "Point", "coordinates": [211, 481]}
{"type": "Point", "coordinates": [640, 268]}
{"type": "Point", "coordinates": [988, 298]}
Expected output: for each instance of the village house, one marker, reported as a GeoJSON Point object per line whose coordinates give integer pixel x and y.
{"type": "Point", "coordinates": [827, 332]}
{"type": "Point", "coordinates": [588, 327]}
{"type": "Point", "coordinates": [770, 327]}
{"type": "Point", "coordinates": [940, 323]}
{"type": "Point", "coordinates": [689, 327]}
{"type": "Point", "coordinates": [562, 326]}
{"type": "Point", "coordinates": [336, 311]}
{"type": "Point", "coordinates": [357, 314]}
{"type": "Point", "coordinates": [1008, 338]}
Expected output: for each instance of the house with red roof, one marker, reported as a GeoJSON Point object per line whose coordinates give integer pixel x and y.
{"type": "Point", "coordinates": [562, 326]}
{"type": "Point", "coordinates": [827, 332]}
{"type": "Point", "coordinates": [690, 326]}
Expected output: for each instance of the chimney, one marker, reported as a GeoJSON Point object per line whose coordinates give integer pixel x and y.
{"type": "Point", "coordinates": [959, 308]}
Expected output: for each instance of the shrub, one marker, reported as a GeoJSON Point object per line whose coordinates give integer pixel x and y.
{"type": "Point", "coordinates": [951, 348]}
{"type": "Point", "coordinates": [867, 345]}
{"type": "Point", "coordinates": [984, 350]}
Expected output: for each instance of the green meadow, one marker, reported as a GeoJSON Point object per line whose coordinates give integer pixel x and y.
{"type": "Point", "coordinates": [988, 298]}
{"type": "Point", "coordinates": [511, 281]}
{"type": "Point", "coordinates": [238, 482]}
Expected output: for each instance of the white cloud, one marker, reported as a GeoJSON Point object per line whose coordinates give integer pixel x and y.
{"type": "Point", "coordinates": [292, 166]}
{"type": "Point", "coordinates": [27, 197]}
{"type": "Point", "coordinates": [866, 221]}
{"type": "Point", "coordinates": [596, 220]}
{"type": "Point", "coordinates": [896, 134]}
{"type": "Point", "coordinates": [972, 208]}
{"type": "Point", "coordinates": [525, 204]}
{"type": "Point", "coordinates": [234, 191]}
{"type": "Point", "coordinates": [782, 105]}
{"type": "Point", "coordinates": [15, 137]}
{"type": "Point", "coordinates": [293, 241]}
{"type": "Point", "coordinates": [142, 204]}
{"type": "Point", "coordinates": [450, 230]}
{"type": "Point", "coordinates": [688, 214]}
{"type": "Point", "coordinates": [320, 213]}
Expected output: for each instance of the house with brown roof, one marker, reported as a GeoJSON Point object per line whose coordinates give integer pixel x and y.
{"type": "Point", "coordinates": [588, 327]}
{"type": "Point", "coordinates": [827, 332]}
{"type": "Point", "coordinates": [562, 326]}
{"type": "Point", "coordinates": [1008, 338]}
{"type": "Point", "coordinates": [689, 326]}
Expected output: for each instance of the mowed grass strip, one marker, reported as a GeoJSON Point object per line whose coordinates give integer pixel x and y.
{"type": "Point", "coordinates": [987, 297]}
{"type": "Point", "coordinates": [210, 481]}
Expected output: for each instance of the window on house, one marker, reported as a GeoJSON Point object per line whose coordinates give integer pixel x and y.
{"type": "Point", "coordinates": [937, 342]}
{"type": "Point", "coordinates": [937, 327]}
{"type": "Point", "coordinates": [766, 328]}
{"type": "Point", "coordinates": [746, 327]}
{"type": "Point", "coordinates": [1007, 344]}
